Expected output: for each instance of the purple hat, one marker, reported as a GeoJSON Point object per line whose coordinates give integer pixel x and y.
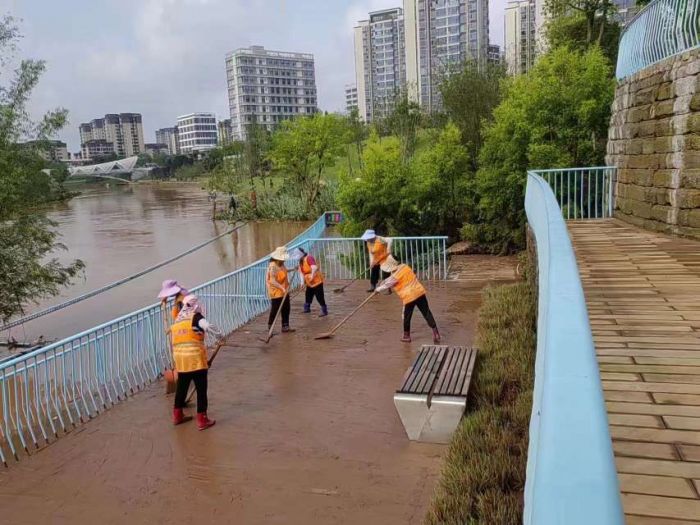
{"type": "Point", "coordinates": [170, 288]}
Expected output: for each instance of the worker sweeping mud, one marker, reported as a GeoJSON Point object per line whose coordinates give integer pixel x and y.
{"type": "Point", "coordinates": [277, 279]}
{"type": "Point", "coordinates": [190, 355]}
{"type": "Point", "coordinates": [412, 294]}
{"type": "Point", "coordinates": [313, 279]}
{"type": "Point", "coordinates": [172, 290]}
{"type": "Point", "coordinates": [379, 248]}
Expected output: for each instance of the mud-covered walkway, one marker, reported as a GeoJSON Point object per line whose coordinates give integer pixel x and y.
{"type": "Point", "coordinates": [306, 433]}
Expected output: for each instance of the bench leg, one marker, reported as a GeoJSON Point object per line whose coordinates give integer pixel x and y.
{"type": "Point", "coordinates": [413, 411]}
{"type": "Point", "coordinates": [430, 425]}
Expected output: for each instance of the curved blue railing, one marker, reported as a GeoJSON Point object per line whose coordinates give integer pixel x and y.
{"type": "Point", "coordinates": [660, 30]}
{"type": "Point", "coordinates": [571, 476]}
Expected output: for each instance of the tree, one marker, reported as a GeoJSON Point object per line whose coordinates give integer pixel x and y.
{"type": "Point", "coordinates": [556, 116]}
{"type": "Point", "coordinates": [470, 93]}
{"type": "Point", "coordinates": [28, 238]}
{"type": "Point", "coordinates": [303, 147]}
{"type": "Point", "coordinates": [403, 121]}
{"type": "Point", "coordinates": [357, 133]}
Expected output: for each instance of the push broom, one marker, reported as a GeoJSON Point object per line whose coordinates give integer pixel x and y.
{"type": "Point", "coordinates": [328, 335]}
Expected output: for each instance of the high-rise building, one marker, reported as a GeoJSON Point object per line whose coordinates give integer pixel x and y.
{"type": "Point", "coordinates": [350, 97]}
{"type": "Point", "coordinates": [168, 136]}
{"type": "Point", "coordinates": [380, 62]}
{"type": "Point", "coordinates": [520, 36]}
{"type": "Point", "coordinates": [268, 87]}
{"type": "Point", "coordinates": [156, 148]}
{"type": "Point", "coordinates": [224, 132]}
{"type": "Point", "coordinates": [196, 132]}
{"type": "Point", "coordinates": [52, 150]}
{"type": "Point", "coordinates": [124, 131]}
{"type": "Point", "coordinates": [439, 35]}
{"type": "Point", "coordinates": [494, 56]}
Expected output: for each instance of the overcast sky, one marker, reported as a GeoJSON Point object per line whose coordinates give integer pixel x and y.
{"type": "Point", "coordinates": [164, 58]}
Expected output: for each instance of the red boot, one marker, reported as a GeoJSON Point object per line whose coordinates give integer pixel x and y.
{"type": "Point", "coordinates": [179, 416]}
{"type": "Point", "coordinates": [436, 336]}
{"type": "Point", "coordinates": [406, 337]}
{"type": "Point", "coordinates": [203, 422]}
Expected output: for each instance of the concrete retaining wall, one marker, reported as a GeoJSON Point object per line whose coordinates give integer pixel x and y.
{"type": "Point", "coordinates": [654, 140]}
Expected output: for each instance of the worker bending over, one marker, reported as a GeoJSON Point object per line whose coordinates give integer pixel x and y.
{"type": "Point", "coordinates": [379, 249]}
{"type": "Point", "coordinates": [313, 279]}
{"type": "Point", "coordinates": [190, 355]}
{"type": "Point", "coordinates": [412, 294]}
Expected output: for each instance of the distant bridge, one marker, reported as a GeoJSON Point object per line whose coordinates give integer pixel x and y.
{"type": "Point", "coordinates": [123, 170]}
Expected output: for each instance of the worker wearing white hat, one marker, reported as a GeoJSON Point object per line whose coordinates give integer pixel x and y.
{"type": "Point", "coordinates": [277, 280]}
{"type": "Point", "coordinates": [379, 248]}
{"type": "Point", "coordinates": [411, 292]}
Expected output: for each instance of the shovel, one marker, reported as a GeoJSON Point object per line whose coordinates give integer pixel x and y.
{"type": "Point", "coordinates": [342, 289]}
{"type": "Point", "coordinates": [328, 335]}
{"type": "Point", "coordinates": [218, 347]}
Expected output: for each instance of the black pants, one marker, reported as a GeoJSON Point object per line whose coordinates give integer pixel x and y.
{"type": "Point", "coordinates": [374, 275]}
{"type": "Point", "coordinates": [317, 292]}
{"type": "Point", "coordinates": [275, 305]}
{"type": "Point", "coordinates": [183, 385]}
{"type": "Point", "coordinates": [422, 304]}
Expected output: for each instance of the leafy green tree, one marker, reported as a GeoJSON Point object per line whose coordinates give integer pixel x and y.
{"type": "Point", "coordinates": [303, 147]}
{"type": "Point", "coordinates": [28, 270]}
{"type": "Point", "coordinates": [357, 133]}
{"type": "Point", "coordinates": [556, 116]}
{"type": "Point", "coordinates": [403, 122]}
{"type": "Point", "coordinates": [470, 93]}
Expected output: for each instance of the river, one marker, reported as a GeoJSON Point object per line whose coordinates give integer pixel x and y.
{"type": "Point", "coordinates": [118, 230]}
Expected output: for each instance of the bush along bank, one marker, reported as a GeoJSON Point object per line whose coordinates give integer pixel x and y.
{"type": "Point", "coordinates": [483, 479]}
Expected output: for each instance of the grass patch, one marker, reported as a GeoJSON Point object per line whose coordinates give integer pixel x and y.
{"type": "Point", "coordinates": [483, 478]}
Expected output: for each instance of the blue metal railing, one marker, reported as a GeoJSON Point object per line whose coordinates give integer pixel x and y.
{"type": "Point", "coordinates": [660, 30]}
{"type": "Point", "coordinates": [571, 476]}
{"type": "Point", "coordinates": [49, 391]}
{"type": "Point", "coordinates": [583, 193]}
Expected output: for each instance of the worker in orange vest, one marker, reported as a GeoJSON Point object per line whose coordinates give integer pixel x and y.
{"type": "Point", "coordinates": [190, 356]}
{"type": "Point", "coordinates": [313, 279]}
{"type": "Point", "coordinates": [412, 294]}
{"type": "Point", "coordinates": [277, 280]}
{"type": "Point", "coordinates": [379, 249]}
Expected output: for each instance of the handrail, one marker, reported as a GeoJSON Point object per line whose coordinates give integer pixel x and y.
{"type": "Point", "coordinates": [583, 193]}
{"type": "Point", "coordinates": [660, 30]}
{"type": "Point", "coordinates": [571, 476]}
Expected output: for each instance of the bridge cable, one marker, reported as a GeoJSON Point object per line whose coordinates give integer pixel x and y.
{"type": "Point", "coordinates": [98, 291]}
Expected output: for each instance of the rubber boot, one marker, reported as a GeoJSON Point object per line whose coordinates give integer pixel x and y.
{"type": "Point", "coordinates": [179, 416]}
{"type": "Point", "coordinates": [203, 422]}
{"type": "Point", "coordinates": [436, 336]}
{"type": "Point", "coordinates": [371, 289]}
{"type": "Point", "coordinates": [307, 308]}
{"type": "Point", "coordinates": [406, 337]}
{"type": "Point", "coordinates": [324, 311]}
{"type": "Point", "coordinates": [287, 330]}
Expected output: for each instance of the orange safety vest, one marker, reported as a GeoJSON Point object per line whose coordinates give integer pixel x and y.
{"type": "Point", "coordinates": [305, 268]}
{"type": "Point", "coordinates": [177, 306]}
{"type": "Point", "coordinates": [379, 250]}
{"type": "Point", "coordinates": [408, 287]}
{"type": "Point", "coordinates": [189, 351]}
{"type": "Point", "coordinates": [280, 275]}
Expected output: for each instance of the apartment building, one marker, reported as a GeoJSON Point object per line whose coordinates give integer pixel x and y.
{"type": "Point", "coordinates": [196, 132]}
{"type": "Point", "coordinates": [169, 137]}
{"type": "Point", "coordinates": [269, 87]}
{"type": "Point", "coordinates": [521, 35]}
{"type": "Point", "coordinates": [380, 63]}
{"type": "Point", "coordinates": [224, 132]}
{"type": "Point", "coordinates": [441, 34]}
{"type": "Point", "coordinates": [350, 97]}
{"type": "Point", "coordinates": [124, 131]}
{"type": "Point", "coordinates": [51, 150]}
{"type": "Point", "coordinates": [494, 54]}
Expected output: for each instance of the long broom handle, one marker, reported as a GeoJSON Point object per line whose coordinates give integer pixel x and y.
{"type": "Point", "coordinates": [361, 276]}
{"type": "Point", "coordinates": [218, 347]}
{"type": "Point", "coordinates": [341, 323]}
{"type": "Point", "coordinates": [279, 310]}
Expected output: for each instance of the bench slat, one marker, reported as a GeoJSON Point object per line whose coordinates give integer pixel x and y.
{"type": "Point", "coordinates": [449, 385]}
{"type": "Point", "coordinates": [449, 364]}
{"type": "Point", "coordinates": [412, 370]}
{"type": "Point", "coordinates": [431, 372]}
{"type": "Point", "coordinates": [457, 388]}
{"type": "Point", "coordinates": [470, 370]}
{"type": "Point", "coordinates": [420, 372]}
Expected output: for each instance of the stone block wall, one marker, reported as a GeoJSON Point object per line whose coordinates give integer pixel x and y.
{"type": "Point", "coordinates": [654, 140]}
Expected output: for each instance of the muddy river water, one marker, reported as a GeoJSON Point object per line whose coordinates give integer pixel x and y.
{"type": "Point", "coordinates": [119, 230]}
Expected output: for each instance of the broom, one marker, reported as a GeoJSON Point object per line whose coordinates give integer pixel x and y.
{"type": "Point", "coordinates": [328, 335]}
{"type": "Point", "coordinates": [342, 289]}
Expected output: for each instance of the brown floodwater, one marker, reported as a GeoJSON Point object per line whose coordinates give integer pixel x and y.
{"type": "Point", "coordinates": [119, 230]}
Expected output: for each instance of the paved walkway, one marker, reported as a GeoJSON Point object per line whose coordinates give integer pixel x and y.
{"type": "Point", "coordinates": [306, 433]}
{"type": "Point", "coordinates": [643, 295]}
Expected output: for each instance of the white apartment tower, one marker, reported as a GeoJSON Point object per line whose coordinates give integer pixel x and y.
{"type": "Point", "coordinates": [441, 34]}
{"type": "Point", "coordinates": [196, 132]}
{"type": "Point", "coordinates": [122, 132]}
{"type": "Point", "coordinates": [380, 63]}
{"type": "Point", "coordinates": [521, 35]}
{"type": "Point", "coordinates": [168, 136]}
{"type": "Point", "coordinates": [350, 97]}
{"type": "Point", "coordinates": [268, 87]}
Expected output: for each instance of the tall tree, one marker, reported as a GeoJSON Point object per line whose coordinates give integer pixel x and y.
{"type": "Point", "coordinates": [28, 239]}
{"type": "Point", "coordinates": [403, 122]}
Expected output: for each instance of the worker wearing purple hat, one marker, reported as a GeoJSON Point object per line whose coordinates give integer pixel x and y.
{"type": "Point", "coordinates": [171, 290]}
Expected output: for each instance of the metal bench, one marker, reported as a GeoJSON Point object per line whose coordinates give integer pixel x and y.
{"type": "Point", "coordinates": [433, 394]}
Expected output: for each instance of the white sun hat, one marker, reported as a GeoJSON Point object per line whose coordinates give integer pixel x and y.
{"type": "Point", "coordinates": [368, 235]}
{"type": "Point", "coordinates": [280, 254]}
{"type": "Point", "coordinates": [389, 265]}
